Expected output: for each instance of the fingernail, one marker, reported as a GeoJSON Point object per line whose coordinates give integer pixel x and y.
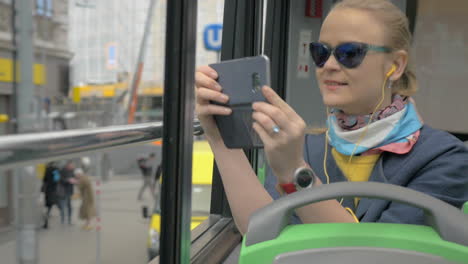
{"type": "Point", "coordinates": [224, 97]}
{"type": "Point", "coordinates": [218, 87]}
{"type": "Point", "coordinates": [213, 75]}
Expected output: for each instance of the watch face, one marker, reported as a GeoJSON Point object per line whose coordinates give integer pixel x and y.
{"type": "Point", "coordinates": [304, 178]}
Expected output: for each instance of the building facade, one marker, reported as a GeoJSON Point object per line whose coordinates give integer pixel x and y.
{"type": "Point", "coordinates": [105, 37]}
{"type": "Point", "coordinates": [51, 72]}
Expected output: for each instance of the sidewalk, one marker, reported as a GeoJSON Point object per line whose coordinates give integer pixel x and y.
{"type": "Point", "coordinates": [124, 232]}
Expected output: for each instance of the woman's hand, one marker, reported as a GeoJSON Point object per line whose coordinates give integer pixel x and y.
{"type": "Point", "coordinates": [283, 147]}
{"type": "Point", "coordinates": [207, 89]}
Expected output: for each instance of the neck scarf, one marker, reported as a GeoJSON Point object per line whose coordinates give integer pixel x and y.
{"type": "Point", "coordinates": [394, 128]}
{"type": "Point", "coordinates": [353, 122]}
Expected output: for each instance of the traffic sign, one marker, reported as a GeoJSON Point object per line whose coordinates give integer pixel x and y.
{"type": "Point", "coordinates": [212, 36]}
{"type": "Point", "coordinates": [111, 51]}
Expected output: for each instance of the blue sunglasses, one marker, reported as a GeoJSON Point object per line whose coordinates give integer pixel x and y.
{"type": "Point", "coordinates": [349, 54]}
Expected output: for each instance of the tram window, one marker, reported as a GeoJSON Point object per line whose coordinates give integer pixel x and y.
{"type": "Point", "coordinates": [117, 52]}
{"type": "Point", "coordinates": [209, 29]}
{"type": "Point", "coordinates": [209, 32]}
{"type": "Point", "coordinates": [441, 59]}
{"type": "Point", "coordinates": [438, 40]}
{"type": "Point", "coordinates": [86, 58]}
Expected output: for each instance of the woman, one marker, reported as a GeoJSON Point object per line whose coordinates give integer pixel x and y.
{"type": "Point", "coordinates": [87, 209]}
{"type": "Point", "coordinates": [49, 187]}
{"type": "Point", "coordinates": [374, 132]}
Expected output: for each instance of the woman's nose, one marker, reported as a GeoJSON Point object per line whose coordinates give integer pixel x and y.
{"type": "Point", "coordinates": [332, 64]}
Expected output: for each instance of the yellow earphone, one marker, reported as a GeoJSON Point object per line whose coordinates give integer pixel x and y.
{"type": "Point", "coordinates": [391, 71]}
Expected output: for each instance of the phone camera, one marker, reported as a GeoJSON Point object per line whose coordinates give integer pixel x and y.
{"type": "Point", "coordinates": [256, 85]}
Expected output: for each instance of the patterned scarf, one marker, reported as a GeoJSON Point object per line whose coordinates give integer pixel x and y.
{"type": "Point", "coordinates": [353, 122]}
{"type": "Point", "coordinates": [394, 128]}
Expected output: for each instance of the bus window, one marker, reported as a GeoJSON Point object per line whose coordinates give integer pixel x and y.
{"type": "Point", "coordinates": [441, 56]}
{"type": "Point", "coordinates": [209, 34]}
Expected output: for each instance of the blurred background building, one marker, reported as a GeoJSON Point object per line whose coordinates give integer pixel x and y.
{"type": "Point", "coordinates": [86, 53]}
{"type": "Point", "coordinates": [105, 37]}
{"type": "Point", "coordinates": [50, 73]}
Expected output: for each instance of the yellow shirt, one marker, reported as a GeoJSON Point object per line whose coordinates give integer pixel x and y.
{"type": "Point", "coordinates": [358, 170]}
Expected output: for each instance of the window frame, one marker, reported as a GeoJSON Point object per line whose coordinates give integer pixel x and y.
{"type": "Point", "coordinates": [49, 8]}
{"type": "Point", "coordinates": [242, 37]}
{"type": "Point", "coordinates": [44, 8]}
{"type": "Point", "coordinates": [238, 41]}
{"type": "Point", "coordinates": [39, 8]}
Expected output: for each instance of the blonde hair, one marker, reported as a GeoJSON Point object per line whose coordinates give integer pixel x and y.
{"type": "Point", "coordinates": [397, 32]}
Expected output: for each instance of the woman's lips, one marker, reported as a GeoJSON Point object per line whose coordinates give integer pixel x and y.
{"type": "Point", "coordinates": [334, 85]}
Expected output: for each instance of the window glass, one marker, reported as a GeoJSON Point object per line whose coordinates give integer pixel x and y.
{"type": "Point", "coordinates": [5, 189]}
{"type": "Point", "coordinates": [209, 36]}
{"type": "Point", "coordinates": [48, 8]}
{"type": "Point", "coordinates": [440, 53]}
{"type": "Point", "coordinates": [85, 62]}
{"type": "Point", "coordinates": [40, 7]}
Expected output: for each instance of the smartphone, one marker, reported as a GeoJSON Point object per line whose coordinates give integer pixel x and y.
{"type": "Point", "coordinates": [242, 80]}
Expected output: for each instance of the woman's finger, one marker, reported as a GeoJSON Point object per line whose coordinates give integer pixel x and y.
{"type": "Point", "coordinates": [203, 80]}
{"type": "Point", "coordinates": [207, 70]}
{"type": "Point", "coordinates": [274, 99]}
{"type": "Point", "coordinates": [262, 133]}
{"type": "Point", "coordinates": [276, 114]}
{"type": "Point", "coordinates": [268, 124]}
{"type": "Point", "coordinates": [212, 109]}
{"type": "Point", "coordinates": [204, 95]}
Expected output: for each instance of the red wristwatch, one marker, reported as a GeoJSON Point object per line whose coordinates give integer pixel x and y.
{"type": "Point", "coordinates": [288, 187]}
{"type": "Point", "coordinates": [304, 177]}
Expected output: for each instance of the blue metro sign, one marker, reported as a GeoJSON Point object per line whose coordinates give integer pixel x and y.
{"type": "Point", "coordinates": [212, 36]}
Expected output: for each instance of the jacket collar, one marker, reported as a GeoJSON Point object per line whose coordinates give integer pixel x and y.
{"type": "Point", "coordinates": [365, 204]}
{"type": "Point", "coordinates": [336, 175]}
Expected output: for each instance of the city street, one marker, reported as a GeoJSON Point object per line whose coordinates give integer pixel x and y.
{"type": "Point", "coordinates": [123, 235]}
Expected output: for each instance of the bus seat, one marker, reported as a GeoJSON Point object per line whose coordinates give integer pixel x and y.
{"type": "Point", "coordinates": [269, 238]}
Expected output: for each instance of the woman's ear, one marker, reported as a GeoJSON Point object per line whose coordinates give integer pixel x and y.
{"type": "Point", "coordinates": [400, 60]}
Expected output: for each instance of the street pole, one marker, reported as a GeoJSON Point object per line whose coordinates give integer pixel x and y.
{"type": "Point", "coordinates": [99, 172]}
{"type": "Point", "coordinates": [26, 214]}
{"type": "Point", "coordinates": [132, 105]}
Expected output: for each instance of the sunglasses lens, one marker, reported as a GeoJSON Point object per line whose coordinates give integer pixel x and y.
{"type": "Point", "coordinates": [350, 55]}
{"type": "Point", "coordinates": [320, 53]}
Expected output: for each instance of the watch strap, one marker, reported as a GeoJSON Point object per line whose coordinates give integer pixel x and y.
{"type": "Point", "coordinates": [287, 188]}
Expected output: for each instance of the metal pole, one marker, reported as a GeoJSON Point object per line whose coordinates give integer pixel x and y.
{"type": "Point", "coordinates": [177, 131]}
{"type": "Point", "coordinates": [140, 63]}
{"type": "Point", "coordinates": [26, 242]}
{"type": "Point", "coordinates": [87, 48]}
{"type": "Point", "coordinates": [26, 223]}
{"type": "Point", "coordinates": [98, 208]}
{"type": "Point", "coordinates": [99, 64]}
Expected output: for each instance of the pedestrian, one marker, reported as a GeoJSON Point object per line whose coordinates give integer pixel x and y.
{"type": "Point", "coordinates": [145, 165]}
{"type": "Point", "coordinates": [49, 188]}
{"type": "Point", "coordinates": [87, 208]}
{"type": "Point", "coordinates": [157, 178]}
{"type": "Point", "coordinates": [85, 164]}
{"type": "Point", "coordinates": [65, 191]}
{"type": "Point", "coordinates": [157, 187]}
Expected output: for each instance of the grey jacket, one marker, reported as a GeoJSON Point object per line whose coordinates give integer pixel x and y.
{"type": "Point", "coordinates": [437, 165]}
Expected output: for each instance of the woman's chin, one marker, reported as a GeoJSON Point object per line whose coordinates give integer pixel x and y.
{"type": "Point", "coordinates": [333, 103]}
